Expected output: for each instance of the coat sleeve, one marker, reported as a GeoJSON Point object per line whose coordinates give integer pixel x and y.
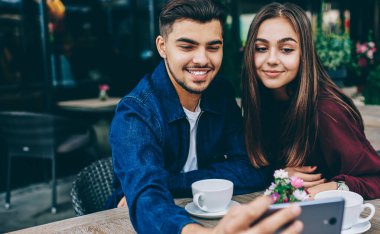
{"type": "Point", "coordinates": [347, 152]}
{"type": "Point", "coordinates": [139, 166]}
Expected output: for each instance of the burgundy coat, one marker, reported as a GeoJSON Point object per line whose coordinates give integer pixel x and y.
{"type": "Point", "coordinates": [343, 152]}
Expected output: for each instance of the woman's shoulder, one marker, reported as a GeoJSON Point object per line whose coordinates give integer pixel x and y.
{"type": "Point", "coordinates": [330, 107]}
{"type": "Point", "coordinates": [333, 114]}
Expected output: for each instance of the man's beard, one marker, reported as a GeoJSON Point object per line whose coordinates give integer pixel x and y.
{"type": "Point", "coordinates": [181, 83]}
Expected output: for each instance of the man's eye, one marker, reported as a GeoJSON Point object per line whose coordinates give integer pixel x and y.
{"type": "Point", "coordinates": [213, 48]}
{"type": "Point", "coordinates": [287, 50]}
{"type": "Point", "coordinates": [185, 47]}
{"type": "Point", "coordinates": [260, 49]}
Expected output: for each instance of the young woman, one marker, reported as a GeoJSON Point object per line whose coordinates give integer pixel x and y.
{"type": "Point", "coordinates": [295, 116]}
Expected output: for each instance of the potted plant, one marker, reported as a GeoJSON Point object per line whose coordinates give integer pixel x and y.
{"type": "Point", "coordinates": [372, 91]}
{"type": "Point", "coordinates": [364, 62]}
{"type": "Point", "coordinates": [334, 50]}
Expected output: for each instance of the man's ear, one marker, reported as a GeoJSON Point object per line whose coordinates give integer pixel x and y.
{"type": "Point", "coordinates": [160, 44]}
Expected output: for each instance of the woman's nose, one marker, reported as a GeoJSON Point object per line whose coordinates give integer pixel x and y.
{"type": "Point", "coordinates": [272, 57]}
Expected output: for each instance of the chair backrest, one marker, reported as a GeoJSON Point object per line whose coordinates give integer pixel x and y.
{"type": "Point", "coordinates": [92, 187]}
{"type": "Point", "coordinates": [30, 134]}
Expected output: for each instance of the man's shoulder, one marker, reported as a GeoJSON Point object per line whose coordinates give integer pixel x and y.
{"type": "Point", "coordinates": [141, 98]}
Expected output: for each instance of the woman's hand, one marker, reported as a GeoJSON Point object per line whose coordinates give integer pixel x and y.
{"type": "Point", "coordinates": [122, 202]}
{"type": "Point", "coordinates": [305, 173]}
{"type": "Point", "coordinates": [322, 187]}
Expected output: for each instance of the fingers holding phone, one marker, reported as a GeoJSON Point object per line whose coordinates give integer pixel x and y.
{"type": "Point", "coordinates": [247, 218]}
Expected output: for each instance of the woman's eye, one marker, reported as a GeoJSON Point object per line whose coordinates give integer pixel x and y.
{"type": "Point", "coordinates": [287, 50]}
{"type": "Point", "coordinates": [260, 49]}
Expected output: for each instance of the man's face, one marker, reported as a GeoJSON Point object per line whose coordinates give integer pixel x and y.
{"type": "Point", "coordinates": [193, 54]}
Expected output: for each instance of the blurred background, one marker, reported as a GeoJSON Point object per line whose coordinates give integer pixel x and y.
{"type": "Point", "coordinates": [52, 51]}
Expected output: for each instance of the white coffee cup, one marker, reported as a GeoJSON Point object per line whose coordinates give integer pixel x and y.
{"type": "Point", "coordinates": [353, 207]}
{"type": "Point", "coordinates": [212, 195]}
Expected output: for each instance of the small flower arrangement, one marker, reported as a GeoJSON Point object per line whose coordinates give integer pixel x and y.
{"type": "Point", "coordinates": [103, 88]}
{"type": "Point", "coordinates": [364, 56]}
{"type": "Point", "coordinates": [285, 189]}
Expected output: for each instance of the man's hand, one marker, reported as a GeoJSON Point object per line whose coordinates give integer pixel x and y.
{"type": "Point", "coordinates": [305, 173]}
{"type": "Point", "coordinates": [322, 187]}
{"type": "Point", "coordinates": [122, 202]}
{"type": "Point", "coordinates": [240, 218]}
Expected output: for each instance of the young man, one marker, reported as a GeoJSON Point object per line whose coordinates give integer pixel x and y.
{"type": "Point", "coordinates": [181, 124]}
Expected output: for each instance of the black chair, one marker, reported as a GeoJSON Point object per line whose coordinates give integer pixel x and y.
{"type": "Point", "coordinates": [92, 186]}
{"type": "Point", "coordinates": [45, 136]}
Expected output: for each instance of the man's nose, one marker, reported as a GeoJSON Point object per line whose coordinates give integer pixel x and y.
{"type": "Point", "coordinates": [201, 57]}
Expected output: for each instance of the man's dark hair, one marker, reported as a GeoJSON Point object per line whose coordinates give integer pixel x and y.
{"type": "Point", "coordinates": [202, 11]}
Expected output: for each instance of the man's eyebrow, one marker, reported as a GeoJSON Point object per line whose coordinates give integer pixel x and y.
{"type": "Point", "coordinates": [215, 42]}
{"type": "Point", "coordinates": [190, 41]}
{"type": "Point", "coordinates": [187, 40]}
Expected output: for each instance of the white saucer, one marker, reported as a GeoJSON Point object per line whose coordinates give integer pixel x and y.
{"type": "Point", "coordinates": [193, 210]}
{"type": "Point", "coordinates": [358, 228]}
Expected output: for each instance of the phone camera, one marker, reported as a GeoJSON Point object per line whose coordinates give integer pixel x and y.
{"type": "Point", "coordinates": [332, 221]}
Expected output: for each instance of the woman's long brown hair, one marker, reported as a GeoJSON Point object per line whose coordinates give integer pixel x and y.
{"type": "Point", "coordinates": [301, 119]}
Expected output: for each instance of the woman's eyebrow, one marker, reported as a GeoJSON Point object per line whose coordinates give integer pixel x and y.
{"type": "Point", "coordinates": [279, 41]}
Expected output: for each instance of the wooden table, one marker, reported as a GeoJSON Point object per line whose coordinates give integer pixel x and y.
{"type": "Point", "coordinates": [98, 112]}
{"type": "Point", "coordinates": [117, 220]}
{"type": "Point", "coordinates": [90, 105]}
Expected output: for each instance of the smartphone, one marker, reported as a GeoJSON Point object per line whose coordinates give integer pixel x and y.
{"type": "Point", "coordinates": [318, 216]}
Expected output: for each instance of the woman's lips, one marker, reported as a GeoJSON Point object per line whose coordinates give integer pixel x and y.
{"type": "Point", "coordinates": [272, 74]}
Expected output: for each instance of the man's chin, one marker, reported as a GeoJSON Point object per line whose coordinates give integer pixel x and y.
{"type": "Point", "coordinates": [197, 89]}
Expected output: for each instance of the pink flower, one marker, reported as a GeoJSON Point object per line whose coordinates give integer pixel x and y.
{"type": "Point", "coordinates": [360, 48]}
{"type": "Point", "coordinates": [362, 62]}
{"type": "Point", "coordinates": [104, 87]}
{"type": "Point", "coordinates": [275, 196]}
{"type": "Point", "coordinates": [296, 182]}
{"type": "Point", "coordinates": [371, 44]}
{"type": "Point", "coordinates": [285, 200]}
{"type": "Point", "coordinates": [370, 54]}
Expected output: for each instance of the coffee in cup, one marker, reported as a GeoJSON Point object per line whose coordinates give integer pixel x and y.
{"type": "Point", "coordinates": [353, 207]}
{"type": "Point", "coordinates": [212, 195]}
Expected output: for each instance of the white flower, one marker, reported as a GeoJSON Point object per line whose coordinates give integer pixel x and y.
{"type": "Point", "coordinates": [272, 186]}
{"type": "Point", "coordinates": [281, 174]}
{"type": "Point", "coordinates": [300, 195]}
{"type": "Point", "coordinates": [268, 192]}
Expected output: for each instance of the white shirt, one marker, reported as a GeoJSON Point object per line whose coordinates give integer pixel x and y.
{"type": "Point", "coordinates": [192, 162]}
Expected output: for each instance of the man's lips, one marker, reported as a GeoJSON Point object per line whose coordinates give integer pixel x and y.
{"type": "Point", "coordinates": [198, 74]}
{"type": "Point", "coordinates": [272, 73]}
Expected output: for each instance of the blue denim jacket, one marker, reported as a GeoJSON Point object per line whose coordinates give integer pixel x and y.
{"type": "Point", "coordinates": [150, 141]}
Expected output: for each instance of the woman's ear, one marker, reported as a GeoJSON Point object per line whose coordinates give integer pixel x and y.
{"type": "Point", "coordinates": [160, 44]}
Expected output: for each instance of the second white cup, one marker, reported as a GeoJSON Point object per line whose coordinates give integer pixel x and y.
{"type": "Point", "coordinates": [353, 207]}
{"type": "Point", "coordinates": [212, 195]}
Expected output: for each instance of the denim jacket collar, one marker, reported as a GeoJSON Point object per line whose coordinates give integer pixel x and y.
{"type": "Point", "coordinates": [169, 98]}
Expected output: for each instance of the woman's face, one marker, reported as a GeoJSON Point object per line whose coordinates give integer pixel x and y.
{"type": "Point", "coordinates": [277, 55]}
